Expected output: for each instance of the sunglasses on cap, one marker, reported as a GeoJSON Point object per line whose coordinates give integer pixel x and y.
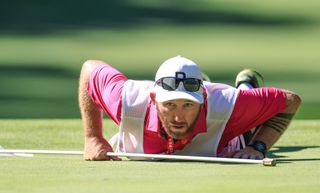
{"type": "Point", "coordinates": [172, 83]}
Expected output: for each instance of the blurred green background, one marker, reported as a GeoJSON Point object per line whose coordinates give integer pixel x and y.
{"type": "Point", "coordinates": [44, 43]}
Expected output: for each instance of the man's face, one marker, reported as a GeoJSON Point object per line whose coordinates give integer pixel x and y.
{"type": "Point", "coordinates": [178, 116]}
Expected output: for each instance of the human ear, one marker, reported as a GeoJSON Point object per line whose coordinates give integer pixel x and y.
{"type": "Point", "coordinates": [153, 97]}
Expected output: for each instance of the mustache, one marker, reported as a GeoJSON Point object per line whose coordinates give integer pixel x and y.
{"type": "Point", "coordinates": [179, 124]}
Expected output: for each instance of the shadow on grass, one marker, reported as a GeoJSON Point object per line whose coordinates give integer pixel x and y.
{"type": "Point", "coordinates": [31, 70]}
{"type": "Point", "coordinates": [288, 149]}
{"type": "Point", "coordinates": [49, 91]}
{"type": "Point", "coordinates": [39, 17]}
{"type": "Point", "coordinates": [29, 91]}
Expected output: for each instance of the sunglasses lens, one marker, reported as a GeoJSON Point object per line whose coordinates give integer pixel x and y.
{"type": "Point", "coordinates": [191, 84]}
{"type": "Point", "coordinates": [169, 83]}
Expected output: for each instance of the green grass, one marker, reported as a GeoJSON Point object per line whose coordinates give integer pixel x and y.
{"type": "Point", "coordinates": [296, 172]}
{"type": "Point", "coordinates": [42, 48]}
{"type": "Point", "coordinates": [40, 59]}
{"type": "Point", "coordinates": [38, 85]}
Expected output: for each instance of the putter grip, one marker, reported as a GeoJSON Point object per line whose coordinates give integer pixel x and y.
{"type": "Point", "coordinates": [269, 162]}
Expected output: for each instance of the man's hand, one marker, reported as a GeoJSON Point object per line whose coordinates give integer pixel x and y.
{"type": "Point", "coordinates": [95, 146]}
{"type": "Point", "coordinates": [96, 149]}
{"type": "Point", "coordinates": [246, 153]}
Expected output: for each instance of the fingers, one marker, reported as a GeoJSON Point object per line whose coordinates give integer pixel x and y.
{"type": "Point", "coordinates": [103, 157]}
{"type": "Point", "coordinates": [248, 155]}
{"type": "Point", "coordinates": [96, 149]}
{"type": "Point", "coordinates": [229, 154]}
{"type": "Point", "coordinates": [114, 158]}
{"type": "Point", "coordinates": [100, 156]}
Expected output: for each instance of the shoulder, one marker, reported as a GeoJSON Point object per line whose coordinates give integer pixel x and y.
{"type": "Point", "coordinates": [209, 86]}
{"type": "Point", "coordinates": [139, 85]}
{"type": "Point", "coordinates": [137, 91]}
{"type": "Point", "coordinates": [221, 99]}
{"type": "Point", "coordinates": [135, 98]}
{"type": "Point", "coordinates": [219, 89]}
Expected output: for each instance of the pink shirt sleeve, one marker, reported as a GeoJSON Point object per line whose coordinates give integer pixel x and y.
{"type": "Point", "coordinates": [105, 87]}
{"type": "Point", "coordinates": [252, 108]}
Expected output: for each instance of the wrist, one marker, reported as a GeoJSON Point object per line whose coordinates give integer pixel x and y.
{"type": "Point", "coordinates": [88, 135]}
{"type": "Point", "coordinates": [92, 138]}
{"type": "Point", "coordinates": [259, 146]}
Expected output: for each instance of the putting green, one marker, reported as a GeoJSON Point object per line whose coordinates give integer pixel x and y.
{"type": "Point", "coordinates": [40, 60]}
{"type": "Point", "coordinates": [297, 169]}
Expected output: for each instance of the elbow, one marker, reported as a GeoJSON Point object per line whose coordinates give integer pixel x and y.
{"type": "Point", "coordinates": [293, 102]}
{"type": "Point", "coordinates": [90, 65]}
{"type": "Point", "coordinates": [296, 101]}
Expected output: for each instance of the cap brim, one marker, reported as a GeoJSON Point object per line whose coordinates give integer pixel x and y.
{"type": "Point", "coordinates": [163, 95]}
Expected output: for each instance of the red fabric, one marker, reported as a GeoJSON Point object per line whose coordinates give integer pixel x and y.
{"type": "Point", "coordinates": [105, 87]}
{"type": "Point", "coordinates": [251, 109]}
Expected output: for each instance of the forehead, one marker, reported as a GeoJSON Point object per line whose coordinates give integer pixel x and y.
{"type": "Point", "coordinates": [179, 101]}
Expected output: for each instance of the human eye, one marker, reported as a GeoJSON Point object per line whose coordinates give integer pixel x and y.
{"type": "Point", "coordinates": [169, 105]}
{"type": "Point", "coordinates": [188, 105]}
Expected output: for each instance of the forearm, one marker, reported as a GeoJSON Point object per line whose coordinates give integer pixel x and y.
{"type": "Point", "coordinates": [91, 113]}
{"type": "Point", "coordinates": [92, 119]}
{"type": "Point", "coordinates": [271, 130]}
{"type": "Point", "coordinates": [95, 145]}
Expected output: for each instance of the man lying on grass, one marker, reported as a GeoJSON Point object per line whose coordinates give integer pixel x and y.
{"type": "Point", "coordinates": [180, 113]}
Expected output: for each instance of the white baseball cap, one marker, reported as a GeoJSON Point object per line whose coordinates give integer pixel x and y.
{"type": "Point", "coordinates": [181, 68]}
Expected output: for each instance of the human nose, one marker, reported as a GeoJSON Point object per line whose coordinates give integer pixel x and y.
{"type": "Point", "coordinates": [179, 116]}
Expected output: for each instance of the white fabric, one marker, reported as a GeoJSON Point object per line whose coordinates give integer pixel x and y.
{"type": "Point", "coordinates": [178, 64]}
{"type": "Point", "coordinates": [135, 98]}
{"type": "Point", "coordinates": [245, 86]}
{"type": "Point", "coordinates": [221, 99]}
{"type": "Point", "coordinates": [187, 69]}
{"type": "Point", "coordinates": [238, 142]}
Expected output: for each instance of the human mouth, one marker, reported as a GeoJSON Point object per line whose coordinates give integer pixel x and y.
{"type": "Point", "coordinates": [179, 126]}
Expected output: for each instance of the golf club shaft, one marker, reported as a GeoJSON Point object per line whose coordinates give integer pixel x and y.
{"type": "Point", "coordinates": [65, 152]}
{"type": "Point", "coordinates": [266, 161]}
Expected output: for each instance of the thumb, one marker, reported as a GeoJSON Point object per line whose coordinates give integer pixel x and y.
{"type": "Point", "coordinates": [229, 154]}
{"type": "Point", "coordinates": [114, 158]}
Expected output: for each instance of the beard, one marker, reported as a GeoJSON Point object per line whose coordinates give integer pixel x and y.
{"type": "Point", "coordinates": [177, 130]}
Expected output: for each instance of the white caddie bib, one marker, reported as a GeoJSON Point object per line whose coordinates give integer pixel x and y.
{"type": "Point", "coordinates": [135, 99]}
